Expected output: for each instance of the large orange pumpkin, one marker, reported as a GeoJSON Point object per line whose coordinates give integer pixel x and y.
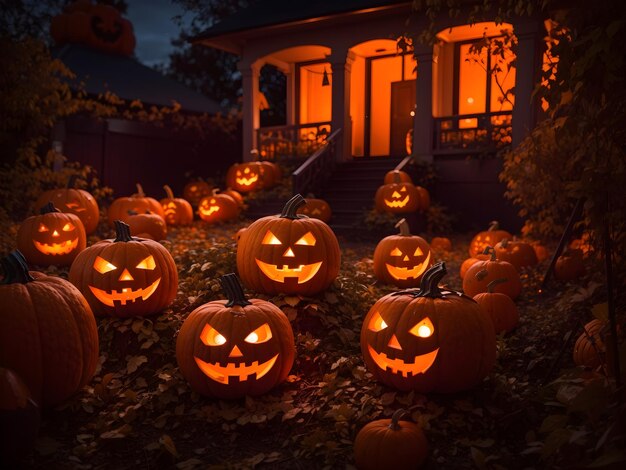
{"type": "Point", "coordinates": [486, 238]}
{"type": "Point", "coordinates": [519, 253]}
{"type": "Point", "coordinates": [402, 259]}
{"type": "Point", "coordinates": [428, 339]}
{"type": "Point", "coordinates": [52, 237]}
{"type": "Point", "coordinates": [465, 265]}
{"type": "Point", "coordinates": [177, 211]}
{"type": "Point", "coordinates": [48, 334]}
{"type": "Point", "coordinates": [126, 276]}
{"type": "Point", "coordinates": [233, 348]}
{"type": "Point", "coordinates": [138, 202]}
{"type": "Point", "coordinates": [288, 253]}
{"type": "Point", "coordinates": [480, 274]}
{"type": "Point", "coordinates": [390, 443]}
{"type": "Point", "coordinates": [74, 201]}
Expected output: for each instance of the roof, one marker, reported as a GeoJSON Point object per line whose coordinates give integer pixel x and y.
{"type": "Point", "coordinates": [129, 79]}
{"type": "Point", "coordinates": [266, 13]}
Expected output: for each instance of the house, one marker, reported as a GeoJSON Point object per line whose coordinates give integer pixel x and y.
{"type": "Point", "coordinates": [347, 78]}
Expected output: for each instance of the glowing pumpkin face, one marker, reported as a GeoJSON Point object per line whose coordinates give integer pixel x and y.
{"type": "Point", "coordinates": [52, 237]}
{"type": "Point", "coordinates": [177, 211]}
{"type": "Point", "coordinates": [316, 208]}
{"type": "Point", "coordinates": [196, 190]}
{"type": "Point", "coordinates": [397, 198]}
{"type": "Point", "coordinates": [245, 177]}
{"type": "Point", "coordinates": [428, 339]}
{"type": "Point", "coordinates": [288, 253]}
{"type": "Point", "coordinates": [218, 208]}
{"type": "Point", "coordinates": [487, 238]}
{"type": "Point", "coordinates": [125, 276]}
{"type": "Point", "coordinates": [402, 259]}
{"type": "Point", "coordinates": [109, 31]}
{"type": "Point", "coordinates": [235, 348]}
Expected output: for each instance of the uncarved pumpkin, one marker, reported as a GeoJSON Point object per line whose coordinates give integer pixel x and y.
{"type": "Point", "coordinates": [486, 238]}
{"type": "Point", "coordinates": [519, 253]}
{"type": "Point", "coordinates": [480, 274]}
{"type": "Point", "coordinates": [48, 334]}
{"type": "Point", "coordinates": [500, 308]}
{"type": "Point", "coordinates": [148, 223]}
{"type": "Point", "coordinates": [138, 202]}
{"type": "Point", "coordinates": [395, 176]}
{"type": "Point", "coordinates": [589, 350]}
{"type": "Point", "coordinates": [441, 244]}
{"type": "Point", "coordinates": [569, 266]}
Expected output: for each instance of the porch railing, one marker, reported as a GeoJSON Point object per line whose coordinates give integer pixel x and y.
{"type": "Point", "coordinates": [317, 169]}
{"type": "Point", "coordinates": [486, 131]}
{"type": "Point", "coordinates": [291, 141]}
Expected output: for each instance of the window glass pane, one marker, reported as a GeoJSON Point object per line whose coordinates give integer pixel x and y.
{"type": "Point", "coordinates": [472, 81]}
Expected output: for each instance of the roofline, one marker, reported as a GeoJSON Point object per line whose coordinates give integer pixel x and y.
{"type": "Point", "coordinates": [228, 41]}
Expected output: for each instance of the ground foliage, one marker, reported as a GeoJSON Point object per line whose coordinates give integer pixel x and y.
{"type": "Point", "coordinates": [138, 411]}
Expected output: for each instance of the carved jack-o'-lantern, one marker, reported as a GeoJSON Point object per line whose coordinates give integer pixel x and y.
{"type": "Point", "coordinates": [75, 201]}
{"type": "Point", "coordinates": [177, 211]}
{"type": "Point", "coordinates": [316, 208]}
{"type": "Point", "coordinates": [402, 259]}
{"type": "Point", "coordinates": [125, 276]}
{"type": "Point", "coordinates": [138, 202]}
{"type": "Point", "coordinates": [397, 176]}
{"type": "Point", "coordinates": [235, 348]}
{"type": "Point", "coordinates": [428, 339]}
{"type": "Point", "coordinates": [289, 253]}
{"type": "Point", "coordinates": [397, 197]}
{"type": "Point", "coordinates": [194, 191]}
{"type": "Point", "coordinates": [487, 238]}
{"type": "Point", "coordinates": [218, 208]}
{"type": "Point", "coordinates": [245, 177]}
{"type": "Point", "coordinates": [52, 237]}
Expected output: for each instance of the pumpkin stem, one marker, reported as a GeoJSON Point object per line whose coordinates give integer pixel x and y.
{"type": "Point", "coordinates": [168, 192]}
{"type": "Point", "coordinates": [494, 283]}
{"type": "Point", "coordinates": [493, 225]}
{"type": "Point", "coordinates": [71, 181]}
{"type": "Point", "coordinates": [233, 290]}
{"type": "Point", "coordinates": [395, 417]}
{"type": "Point", "coordinates": [140, 192]}
{"type": "Point", "coordinates": [122, 232]}
{"type": "Point", "coordinates": [489, 250]}
{"type": "Point", "coordinates": [404, 228]}
{"type": "Point", "coordinates": [214, 191]}
{"type": "Point", "coordinates": [504, 243]}
{"type": "Point", "coordinates": [291, 206]}
{"type": "Point", "coordinates": [48, 208]}
{"type": "Point", "coordinates": [15, 269]}
{"type": "Point", "coordinates": [429, 285]}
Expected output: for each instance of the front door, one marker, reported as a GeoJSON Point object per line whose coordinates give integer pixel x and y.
{"type": "Point", "coordinates": [402, 112]}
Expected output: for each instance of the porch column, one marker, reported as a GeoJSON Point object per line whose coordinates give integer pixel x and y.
{"type": "Point", "coordinates": [250, 106]}
{"type": "Point", "coordinates": [527, 73]}
{"type": "Point", "coordinates": [341, 65]}
{"type": "Point", "coordinates": [291, 95]}
{"type": "Point", "coordinates": [423, 121]}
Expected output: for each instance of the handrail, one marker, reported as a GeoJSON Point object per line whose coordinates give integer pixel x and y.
{"type": "Point", "coordinates": [309, 176]}
{"type": "Point", "coordinates": [488, 131]}
{"type": "Point", "coordinates": [405, 161]}
{"type": "Point", "coordinates": [297, 140]}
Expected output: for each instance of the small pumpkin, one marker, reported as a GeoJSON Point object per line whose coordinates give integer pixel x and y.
{"type": "Point", "coordinates": [424, 198]}
{"type": "Point", "coordinates": [194, 191]}
{"type": "Point", "coordinates": [236, 195]}
{"type": "Point", "coordinates": [428, 339]}
{"type": "Point", "coordinates": [402, 259]}
{"type": "Point", "coordinates": [540, 250]}
{"type": "Point", "coordinates": [590, 350]}
{"type": "Point", "coordinates": [394, 176]}
{"type": "Point", "coordinates": [138, 202]}
{"type": "Point", "coordinates": [19, 418]}
{"type": "Point", "coordinates": [52, 237]}
{"type": "Point", "coordinates": [288, 253]}
{"type": "Point", "coordinates": [390, 443]}
{"type": "Point", "coordinates": [569, 266]}
{"type": "Point", "coordinates": [147, 223]}
{"type": "Point", "coordinates": [500, 308]}
{"type": "Point", "coordinates": [316, 208]}
{"type": "Point", "coordinates": [177, 211]}
{"type": "Point", "coordinates": [519, 253]}
{"type": "Point", "coordinates": [218, 208]}
{"type": "Point", "coordinates": [397, 197]}
{"type": "Point", "coordinates": [441, 244]}
{"type": "Point", "coordinates": [480, 274]}
{"type": "Point", "coordinates": [125, 276]}
{"type": "Point", "coordinates": [48, 334]}
{"type": "Point", "coordinates": [465, 265]}
{"type": "Point", "coordinates": [246, 177]}
{"type": "Point", "coordinates": [74, 201]}
{"type": "Point", "coordinates": [270, 173]}
{"type": "Point", "coordinates": [230, 349]}
{"type": "Point", "coordinates": [486, 238]}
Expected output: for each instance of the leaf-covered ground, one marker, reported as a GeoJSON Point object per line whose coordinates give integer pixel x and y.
{"type": "Point", "coordinates": [533, 411]}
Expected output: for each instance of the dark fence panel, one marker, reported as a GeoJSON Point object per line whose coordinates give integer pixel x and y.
{"type": "Point", "coordinates": [125, 153]}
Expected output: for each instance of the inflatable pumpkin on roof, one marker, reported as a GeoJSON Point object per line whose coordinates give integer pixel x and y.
{"type": "Point", "coordinates": [95, 25]}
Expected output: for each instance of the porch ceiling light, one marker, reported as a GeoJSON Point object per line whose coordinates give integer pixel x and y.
{"type": "Point", "coordinates": [325, 80]}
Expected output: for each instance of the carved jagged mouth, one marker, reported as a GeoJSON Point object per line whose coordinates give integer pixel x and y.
{"type": "Point", "coordinates": [242, 371]}
{"type": "Point", "coordinates": [407, 273]}
{"type": "Point", "coordinates": [212, 210]}
{"type": "Point", "coordinates": [316, 211]}
{"type": "Point", "coordinates": [303, 273]}
{"type": "Point", "coordinates": [421, 364]}
{"type": "Point", "coordinates": [57, 248]}
{"type": "Point", "coordinates": [106, 36]}
{"type": "Point", "coordinates": [126, 295]}
{"type": "Point", "coordinates": [398, 203]}
{"type": "Point", "coordinates": [247, 181]}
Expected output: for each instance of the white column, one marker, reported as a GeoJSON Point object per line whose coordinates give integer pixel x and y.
{"type": "Point", "coordinates": [341, 65]}
{"type": "Point", "coordinates": [527, 73]}
{"type": "Point", "coordinates": [423, 122]}
{"type": "Point", "coordinates": [250, 106]}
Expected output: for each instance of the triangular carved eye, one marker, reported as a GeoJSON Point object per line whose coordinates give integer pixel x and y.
{"type": "Point", "coordinates": [377, 323]}
{"type": "Point", "coordinates": [211, 337]}
{"type": "Point", "coordinates": [262, 334]}
{"type": "Point", "coordinates": [418, 252]}
{"type": "Point", "coordinates": [403, 189]}
{"type": "Point", "coordinates": [395, 252]}
{"type": "Point", "coordinates": [270, 239]}
{"type": "Point", "coordinates": [308, 239]}
{"type": "Point", "coordinates": [423, 329]}
{"type": "Point", "coordinates": [42, 228]}
{"type": "Point", "coordinates": [103, 266]}
{"type": "Point", "coordinates": [147, 263]}
{"type": "Point", "coordinates": [68, 227]}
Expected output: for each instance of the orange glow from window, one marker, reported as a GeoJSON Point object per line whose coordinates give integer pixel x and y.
{"type": "Point", "coordinates": [315, 99]}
